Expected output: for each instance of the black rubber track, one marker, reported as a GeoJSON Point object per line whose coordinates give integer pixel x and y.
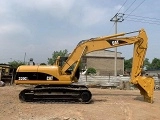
{"type": "Point", "coordinates": [56, 93]}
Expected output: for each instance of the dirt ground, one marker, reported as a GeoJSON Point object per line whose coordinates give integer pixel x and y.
{"type": "Point", "coordinates": [107, 104]}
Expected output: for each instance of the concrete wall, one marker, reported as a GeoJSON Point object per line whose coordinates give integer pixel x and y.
{"type": "Point", "coordinates": [105, 65]}
{"type": "Point", "coordinates": [109, 80]}
{"type": "Point", "coordinates": [104, 62]}
{"type": "Point", "coordinates": [153, 72]}
{"type": "Point", "coordinates": [104, 53]}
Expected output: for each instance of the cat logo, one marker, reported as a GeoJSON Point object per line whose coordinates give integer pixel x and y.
{"type": "Point", "coordinates": [49, 77]}
{"type": "Point", "coordinates": [115, 42]}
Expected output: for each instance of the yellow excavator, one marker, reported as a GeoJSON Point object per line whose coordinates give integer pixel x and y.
{"type": "Point", "coordinates": [57, 82]}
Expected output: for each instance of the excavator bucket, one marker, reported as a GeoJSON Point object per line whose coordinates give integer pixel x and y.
{"type": "Point", "coordinates": [146, 87]}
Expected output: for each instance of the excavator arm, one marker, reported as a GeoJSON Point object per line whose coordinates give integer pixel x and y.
{"type": "Point", "coordinates": [143, 83]}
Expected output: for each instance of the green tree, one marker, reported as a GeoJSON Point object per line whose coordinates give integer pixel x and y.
{"type": "Point", "coordinates": [55, 54]}
{"type": "Point", "coordinates": [147, 64]}
{"type": "Point", "coordinates": [128, 65]}
{"type": "Point", "coordinates": [91, 71]}
{"type": "Point", "coordinates": [15, 64]}
{"type": "Point", "coordinates": [155, 64]}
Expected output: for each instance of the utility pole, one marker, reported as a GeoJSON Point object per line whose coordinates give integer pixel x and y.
{"type": "Point", "coordinates": [117, 18]}
{"type": "Point", "coordinates": [25, 58]}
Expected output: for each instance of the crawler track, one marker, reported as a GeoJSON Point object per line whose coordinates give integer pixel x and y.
{"type": "Point", "coordinates": [56, 93]}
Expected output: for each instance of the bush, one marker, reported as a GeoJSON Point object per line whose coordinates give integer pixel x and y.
{"type": "Point", "coordinates": [91, 71]}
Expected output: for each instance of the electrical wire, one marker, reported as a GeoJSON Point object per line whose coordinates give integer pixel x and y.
{"type": "Point", "coordinates": [147, 20]}
{"type": "Point", "coordinates": [130, 6]}
{"type": "Point", "coordinates": [143, 22]}
{"type": "Point", "coordinates": [135, 8]}
{"type": "Point", "coordinates": [141, 17]}
{"type": "Point", "coordinates": [122, 6]}
{"type": "Point", "coordinates": [116, 13]}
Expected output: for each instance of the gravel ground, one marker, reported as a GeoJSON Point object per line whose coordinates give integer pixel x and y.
{"type": "Point", "coordinates": [107, 104]}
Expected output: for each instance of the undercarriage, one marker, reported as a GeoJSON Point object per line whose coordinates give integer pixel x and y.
{"type": "Point", "coordinates": [56, 93]}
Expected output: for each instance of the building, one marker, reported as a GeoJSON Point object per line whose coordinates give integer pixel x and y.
{"type": "Point", "coordinates": [104, 62]}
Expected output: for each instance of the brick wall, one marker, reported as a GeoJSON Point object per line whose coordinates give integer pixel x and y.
{"type": "Point", "coordinates": [105, 65]}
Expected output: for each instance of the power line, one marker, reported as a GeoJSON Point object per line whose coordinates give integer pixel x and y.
{"type": "Point", "coordinates": [122, 6]}
{"type": "Point", "coordinates": [142, 17]}
{"type": "Point", "coordinates": [147, 20]}
{"type": "Point", "coordinates": [143, 22]}
{"type": "Point", "coordinates": [130, 6]}
{"type": "Point", "coordinates": [117, 13]}
{"type": "Point", "coordinates": [135, 8]}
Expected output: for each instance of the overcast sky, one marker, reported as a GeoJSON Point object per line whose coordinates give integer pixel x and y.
{"type": "Point", "coordinates": [39, 27]}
